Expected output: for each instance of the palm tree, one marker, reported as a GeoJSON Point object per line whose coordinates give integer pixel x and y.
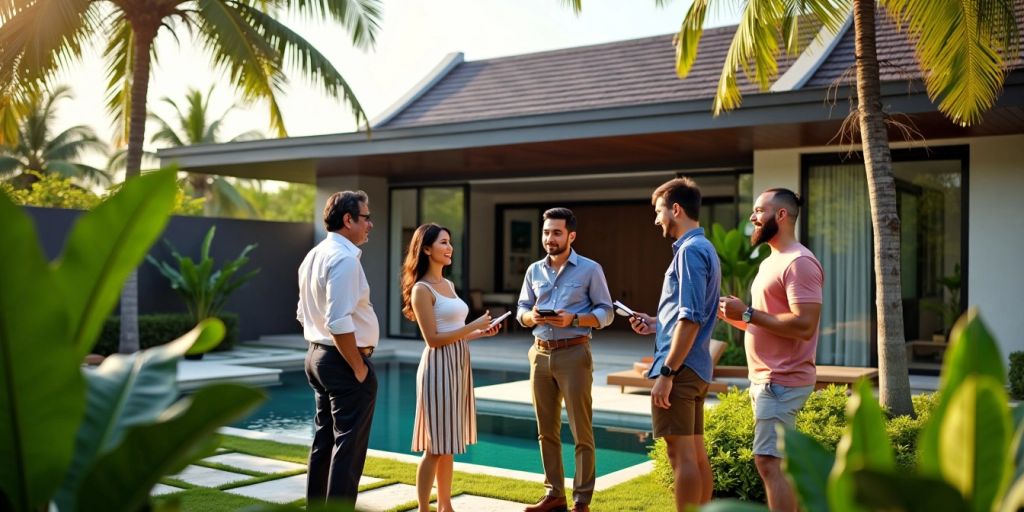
{"type": "Point", "coordinates": [38, 149]}
{"type": "Point", "coordinates": [196, 127]}
{"type": "Point", "coordinates": [243, 38]}
{"type": "Point", "coordinates": [962, 49]}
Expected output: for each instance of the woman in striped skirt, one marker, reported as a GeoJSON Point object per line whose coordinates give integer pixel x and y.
{"type": "Point", "coordinates": [445, 407]}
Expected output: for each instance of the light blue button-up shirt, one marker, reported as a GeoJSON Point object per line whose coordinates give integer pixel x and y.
{"type": "Point", "coordinates": [691, 290]}
{"type": "Point", "coordinates": [579, 287]}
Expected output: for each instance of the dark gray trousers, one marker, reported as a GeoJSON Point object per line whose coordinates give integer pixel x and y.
{"type": "Point", "coordinates": [344, 413]}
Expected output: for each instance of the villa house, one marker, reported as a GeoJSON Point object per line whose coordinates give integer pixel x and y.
{"type": "Point", "coordinates": [485, 146]}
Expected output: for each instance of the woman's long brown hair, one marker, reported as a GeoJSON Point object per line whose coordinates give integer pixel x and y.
{"type": "Point", "coordinates": [417, 262]}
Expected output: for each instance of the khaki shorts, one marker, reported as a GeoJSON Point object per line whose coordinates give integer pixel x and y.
{"type": "Point", "coordinates": [685, 417]}
{"type": "Point", "coordinates": [774, 404]}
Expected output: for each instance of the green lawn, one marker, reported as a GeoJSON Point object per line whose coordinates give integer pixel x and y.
{"type": "Point", "coordinates": [639, 494]}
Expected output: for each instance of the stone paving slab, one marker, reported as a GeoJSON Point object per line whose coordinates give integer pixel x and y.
{"type": "Point", "coordinates": [385, 498]}
{"type": "Point", "coordinates": [482, 504]}
{"type": "Point", "coordinates": [161, 489]}
{"type": "Point", "coordinates": [282, 490]}
{"type": "Point", "coordinates": [209, 477]}
{"type": "Point", "coordinates": [254, 463]}
{"type": "Point", "coordinates": [285, 490]}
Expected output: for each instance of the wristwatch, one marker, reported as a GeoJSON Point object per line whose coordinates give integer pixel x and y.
{"type": "Point", "coordinates": [575, 320]}
{"type": "Point", "coordinates": [748, 314]}
{"type": "Point", "coordinates": [668, 372]}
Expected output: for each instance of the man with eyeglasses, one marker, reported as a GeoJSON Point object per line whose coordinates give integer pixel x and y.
{"type": "Point", "coordinates": [339, 323]}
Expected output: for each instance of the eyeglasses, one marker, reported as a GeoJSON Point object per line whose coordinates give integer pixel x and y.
{"type": "Point", "coordinates": [365, 216]}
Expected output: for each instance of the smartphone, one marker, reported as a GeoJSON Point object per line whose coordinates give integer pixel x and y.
{"type": "Point", "coordinates": [547, 312]}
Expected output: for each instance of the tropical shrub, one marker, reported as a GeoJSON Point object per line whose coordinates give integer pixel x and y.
{"type": "Point", "coordinates": [1017, 375]}
{"type": "Point", "coordinates": [970, 451]}
{"type": "Point", "coordinates": [156, 329]}
{"type": "Point", "coordinates": [729, 437]}
{"type": "Point", "coordinates": [51, 191]}
{"type": "Point", "coordinates": [203, 289]}
{"type": "Point", "coordinates": [94, 439]}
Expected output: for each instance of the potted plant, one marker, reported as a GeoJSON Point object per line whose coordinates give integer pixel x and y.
{"type": "Point", "coordinates": [204, 289]}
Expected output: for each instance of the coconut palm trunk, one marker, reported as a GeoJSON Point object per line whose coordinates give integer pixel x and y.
{"type": "Point", "coordinates": [143, 33]}
{"type": "Point", "coordinates": [894, 381]}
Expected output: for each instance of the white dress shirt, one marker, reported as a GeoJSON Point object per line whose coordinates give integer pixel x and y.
{"type": "Point", "coordinates": [334, 297]}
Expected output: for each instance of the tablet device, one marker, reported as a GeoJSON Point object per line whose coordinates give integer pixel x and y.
{"type": "Point", "coordinates": [547, 312]}
{"type": "Point", "coordinates": [498, 320]}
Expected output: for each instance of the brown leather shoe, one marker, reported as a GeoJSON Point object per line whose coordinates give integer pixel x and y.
{"type": "Point", "coordinates": [548, 504]}
{"type": "Point", "coordinates": [581, 507]}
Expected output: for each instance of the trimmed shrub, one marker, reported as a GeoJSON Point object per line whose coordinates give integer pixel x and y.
{"type": "Point", "coordinates": [1017, 375]}
{"type": "Point", "coordinates": [729, 437]}
{"type": "Point", "coordinates": [157, 329]}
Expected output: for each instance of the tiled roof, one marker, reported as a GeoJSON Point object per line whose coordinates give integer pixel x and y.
{"type": "Point", "coordinates": [634, 72]}
{"type": "Point", "coordinates": [894, 49]}
{"type": "Point", "coordinates": [625, 73]}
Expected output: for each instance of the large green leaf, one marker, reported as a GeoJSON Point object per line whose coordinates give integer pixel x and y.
{"type": "Point", "coordinates": [1014, 499]}
{"type": "Point", "coordinates": [974, 441]}
{"type": "Point", "coordinates": [972, 352]}
{"type": "Point", "coordinates": [42, 395]}
{"type": "Point", "coordinates": [892, 490]}
{"type": "Point", "coordinates": [107, 244]}
{"type": "Point", "coordinates": [864, 445]}
{"type": "Point", "coordinates": [129, 390]}
{"type": "Point", "coordinates": [808, 464]}
{"type": "Point", "coordinates": [120, 480]}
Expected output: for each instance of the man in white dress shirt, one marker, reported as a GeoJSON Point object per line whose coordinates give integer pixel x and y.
{"type": "Point", "coordinates": [339, 323]}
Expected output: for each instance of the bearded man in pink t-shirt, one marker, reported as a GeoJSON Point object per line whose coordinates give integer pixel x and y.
{"type": "Point", "coordinates": [781, 325]}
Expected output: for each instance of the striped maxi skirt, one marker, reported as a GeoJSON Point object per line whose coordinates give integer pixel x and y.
{"type": "Point", "coordinates": [445, 406]}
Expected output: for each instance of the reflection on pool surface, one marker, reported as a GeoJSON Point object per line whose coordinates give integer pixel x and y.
{"type": "Point", "coordinates": [503, 442]}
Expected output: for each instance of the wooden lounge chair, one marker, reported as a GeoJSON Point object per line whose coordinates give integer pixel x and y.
{"type": "Point", "coordinates": [843, 375]}
{"type": "Point", "coordinates": [637, 376]}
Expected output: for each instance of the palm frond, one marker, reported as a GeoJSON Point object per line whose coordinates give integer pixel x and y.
{"type": "Point", "coordinates": [9, 164]}
{"type": "Point", "coordinates": [249, 135]}
{"type": "Point", "coordinates": [576, 5]}
{"type": "Point", "coordinates": [228, 200]}
{"type": "Point", "coordinates": [360, 18]}
{"type": "Point", "coordinates": [963, 48]}
{"type": "Point", "coordinates": [164, 133]}
{"type": "Point", "coordinates": [249, 60]}
{"type": "Point", "coordinates": [119, 55]}
{"type": "Point", "coordinates": [754, 49]}
{"type": "Point", "coordinates": [45, 35]}
{"type": "Point", "coordinates": [687, 39]}
{"type": "Point", "coordinates": [80, 133]}
{"type": "Point", "coordinates": [73, 149]}
{"type": "Point", "coordinates": [303, 56]}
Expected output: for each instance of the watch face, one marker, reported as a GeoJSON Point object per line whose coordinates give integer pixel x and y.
{"type": "Point", "coordinates": [666, 371]}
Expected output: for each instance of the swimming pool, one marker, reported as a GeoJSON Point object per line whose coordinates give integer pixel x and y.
{"type": "Point", "coordinates": [503, 442]}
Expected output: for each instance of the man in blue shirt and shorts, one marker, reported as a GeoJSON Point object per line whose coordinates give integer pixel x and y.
{"type": "Point", "coordinates": [682, 358]}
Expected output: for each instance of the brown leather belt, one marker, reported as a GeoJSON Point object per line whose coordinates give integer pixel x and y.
{"type": "Point", "coordinates": [366, 351]}
{"type": "Point", "coordinates": [557, 344]}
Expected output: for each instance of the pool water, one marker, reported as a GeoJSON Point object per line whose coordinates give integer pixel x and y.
{"type": "Point", "coordinates": [503, 442]}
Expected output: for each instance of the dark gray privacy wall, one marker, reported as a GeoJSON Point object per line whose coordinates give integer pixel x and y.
{"type": "Point", "coordinates": [266, 304]}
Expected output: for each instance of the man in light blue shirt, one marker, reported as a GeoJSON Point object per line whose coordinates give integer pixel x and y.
{"type": "Point", "coordinates": [564, 297]}
{"type": "Point", "coordinates": [682, 358]}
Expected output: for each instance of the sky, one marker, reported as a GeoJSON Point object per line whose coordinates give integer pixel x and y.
{"type": "Point", "coordinates": [415, 35]}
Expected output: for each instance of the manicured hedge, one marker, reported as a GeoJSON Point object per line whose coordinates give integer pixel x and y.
{"type": "Point", "coordinates": [729, 436]}
{"type": "Point", "coordinates": [160, 328]}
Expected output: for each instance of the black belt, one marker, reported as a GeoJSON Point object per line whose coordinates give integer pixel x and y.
{"type": "Point", "coordinates": [365, 351]}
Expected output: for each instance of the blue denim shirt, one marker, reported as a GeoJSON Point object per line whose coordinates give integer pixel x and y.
{"type": "Point", "coordinates": [580, 287]}
{"type": "Point", "coordinates": [691, 290]}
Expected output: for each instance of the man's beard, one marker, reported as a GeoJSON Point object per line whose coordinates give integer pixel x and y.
{"type": "Point", "coordinates": [765, 232]}
{"type": "Point", "coordinates": [557, 250]}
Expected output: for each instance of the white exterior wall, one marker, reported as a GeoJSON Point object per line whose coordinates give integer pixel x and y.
{"type": "Point", "coordinates": [995, 188]}
{"type": "Point", "coordinates": [996, 236]}
{"type": "Point", "coordinates": [375, 250]}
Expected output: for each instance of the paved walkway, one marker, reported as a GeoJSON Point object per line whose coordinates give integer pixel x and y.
{"type": "Point", "coordinates": [247, 475]}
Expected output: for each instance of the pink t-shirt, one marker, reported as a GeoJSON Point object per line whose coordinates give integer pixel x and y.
{"type": "Point", "coordinates": [793, 276]}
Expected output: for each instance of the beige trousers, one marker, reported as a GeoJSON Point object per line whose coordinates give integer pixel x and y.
{"type": "Point", "coordinates": [564, 373]}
